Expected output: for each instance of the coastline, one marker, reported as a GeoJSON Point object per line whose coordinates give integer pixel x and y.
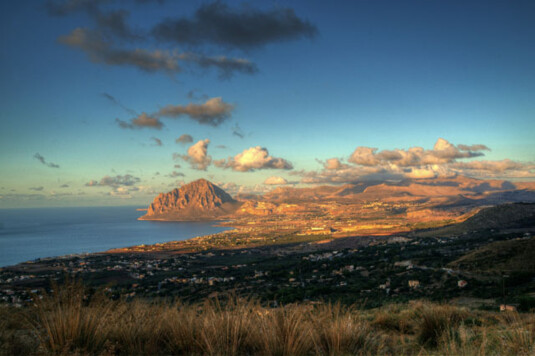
{"type": "Point", "coordinates": [29, 236]}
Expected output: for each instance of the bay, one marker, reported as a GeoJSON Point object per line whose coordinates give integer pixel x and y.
{"type": "Point", "coordinates": [28, 234]}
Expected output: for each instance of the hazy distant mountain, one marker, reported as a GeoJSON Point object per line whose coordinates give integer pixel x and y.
{"type": "Point", "coordinates": [505, 216]}
{"type": "Point", "coordinates": [198, 200]}
{"type": "Point", "coordinates": [457, 190]}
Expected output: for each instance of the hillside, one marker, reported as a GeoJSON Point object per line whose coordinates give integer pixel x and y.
{"type": "Point", "coordinates": [506, 216]}
{"type": "Point", "coordinates": [516, 255]}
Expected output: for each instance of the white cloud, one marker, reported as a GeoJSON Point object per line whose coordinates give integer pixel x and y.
{"type": "Point", "coordinates": [274, 180]}
{"type": "Point", "coordinates": [253, 158]}
{"type": "Point", "coordinates": [197, 155]}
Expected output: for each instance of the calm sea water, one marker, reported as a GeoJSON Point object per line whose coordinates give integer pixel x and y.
{"type": "Point", "coordinates": [27, 234]}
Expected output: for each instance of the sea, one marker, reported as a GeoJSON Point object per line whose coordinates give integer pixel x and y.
{"type": "Point", "coordinates": [28, 234]}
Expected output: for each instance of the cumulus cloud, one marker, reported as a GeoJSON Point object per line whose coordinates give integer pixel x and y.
{"type": "Point", "coordinates": [197, 155]}
{"type": "Point", "coordinates": [175, 174]}
{"type": "Point", "coordinates": [217, 23]}
{"type": "Point", "coordinates": [252, 159]}
{"type": "Point", "coordinates": [121, 185]}
{"type": "Point", "coordinates": [143, 120]}
{"type": "Point", "coordinates": [184, 138]}
{"type": "Point", "coordinates": [226, 66]}
{"type": "Point", "coordinates": [443, 152]}
{"type": "Point", "coordinates": [100, 50]}
{"type": "Point", "coordinates": [213, 112]}
{"type": "Point", "coordinates": [274, 180]}
{"type": "Point", "coordinates": [41, 159]}
{"type": "Point", "coordinates": [444, 160]}
{"type": "Point", "coordinates": [333, 164]}
{"type": "Point", "coordinates": [114, 182]}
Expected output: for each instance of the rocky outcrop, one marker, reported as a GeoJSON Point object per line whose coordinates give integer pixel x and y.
{"type": "Point", "coordinates": [198, 200]}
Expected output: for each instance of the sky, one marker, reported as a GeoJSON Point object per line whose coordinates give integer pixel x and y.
{"type": "Point", "coordinates": [110, 102]}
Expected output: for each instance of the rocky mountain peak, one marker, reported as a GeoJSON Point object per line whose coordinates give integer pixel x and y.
{"type": "Point", "coordinates": [196, 200]}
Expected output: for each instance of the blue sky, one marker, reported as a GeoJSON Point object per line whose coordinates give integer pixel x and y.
{"type": "Point", "coordinates": [318, 80]}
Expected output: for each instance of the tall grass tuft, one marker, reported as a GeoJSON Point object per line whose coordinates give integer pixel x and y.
{"type": "Point", "coordinates": [283, 331]}
{"type": "Point", "coordinates": [226, 330]}
{"type": "Point", "coordinates": [66, 320]}
{"type": "Point", "coordinates": [337, 330]}
{"type": "Point", "coordinates": [181, 327]}
{"type": "Point", "coordinates": [433, 320]}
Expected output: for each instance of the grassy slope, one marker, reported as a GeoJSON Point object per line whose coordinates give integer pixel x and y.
{"type": "Point", "coordinates": [512, 256]}
{"type": "Point", "coordinates": [506, 216]}
{"type": "Point", "coordinates": [71, 322]}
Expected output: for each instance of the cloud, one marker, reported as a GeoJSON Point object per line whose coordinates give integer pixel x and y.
{"type": "Point", "coordinates": [237, 189]}
{"type": "Point", "coordinates": [184, 138]}
{"type": "Point", "coordinates": [444, 160]}
{"type": "Point", "coordinates": [213, 112]}
{"type": "Point", "coordinates": [473, 147]}
{"type": "Point", "coordinates": [41, 159]}
{"type": "Point", "coordinates": [119, 104]}
{"type": "Point", "coordinates": [218, 24]}
{"type": "Point", "coordinates": [63, 8]}
{"type": "Point", "coordinates": [348, 174]}
{"type": "Point", "coordinates": [37, 189]}
{"type": "Point", "coordinates": [252, 159]}
{"type": "Point", "coordinates": [100, 50]}
{"type": "Point", "coordinates": [122, 185]}
{"type": "Point", "coordinates": [144, 120]}
{"type": "Point", "coordinates": [112, 22]}
{"type": "Point", "coordinates": [333, 164]}
{"type": "Point", "coordinates": [274, 180]}
{"type": "Point", "coordinates": [197, 155]}
{"type": "Point", "coordinates": [225, 65]}
{"type": "Point", "coordinates": [237, 131]}
{"type": "Point", "coordinates": [157, 141]}
{"type": "Point", "coordinates": [109, 25]}
{"type": "Point", "coordinates": [443, 152]}
{"type": "Point", "coordinates": [114, 182]}
{"type": "Point", "coordinates": [500, 169]}
{"type": "Point", "coordinates": [175, 174]}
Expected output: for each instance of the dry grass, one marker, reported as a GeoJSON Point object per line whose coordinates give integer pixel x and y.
{"type": "Point", "coordinates": [68, 321]}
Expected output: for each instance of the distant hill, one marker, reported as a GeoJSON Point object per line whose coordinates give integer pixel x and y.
{"type": "Point", "coordinates": [449, 192]}
{"type": "Point", "coordinates": [504, 256]}
{"type": "Point", "coordinates": [198, 200]}
{"type": "Point", "coordinates": [505, 216]}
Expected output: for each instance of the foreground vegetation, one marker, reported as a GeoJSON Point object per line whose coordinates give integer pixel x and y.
{"type": "Point", "coordinates": [74, 320]}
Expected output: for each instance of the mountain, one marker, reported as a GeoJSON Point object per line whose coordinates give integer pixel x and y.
{"type": "Point", "coordinates": [198, 200]}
